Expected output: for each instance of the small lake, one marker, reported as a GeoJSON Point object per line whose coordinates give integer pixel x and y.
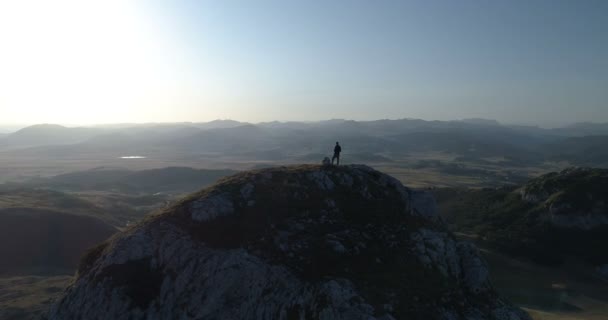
{"type": "Point", "coordinates": [133, 157]}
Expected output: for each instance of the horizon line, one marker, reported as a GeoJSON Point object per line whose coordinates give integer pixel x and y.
{"type": "Point", "coordinates": [19, 126]}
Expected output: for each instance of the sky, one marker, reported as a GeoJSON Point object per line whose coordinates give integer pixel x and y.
{"type": "Point", "coordinates": [85, 62]}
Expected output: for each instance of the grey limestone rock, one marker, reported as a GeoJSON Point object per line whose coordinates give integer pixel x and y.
{"type": "Point", "coordinates": [301, 242]}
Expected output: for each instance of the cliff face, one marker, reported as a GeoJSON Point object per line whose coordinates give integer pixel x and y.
{"type": "Point", "coordinates": [303, 242]}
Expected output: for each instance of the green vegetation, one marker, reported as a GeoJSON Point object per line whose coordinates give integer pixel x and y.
{"type": "Point", "coordinates": [583, 188]}
{"type": "Point", "coordinates": [112, 208]}
{"type": "Point", "coordinates": [29, 297]}
{"type": "Point", "coordinates": [497, 217]}
{"type": "Point", "coordinates": [518, 221]}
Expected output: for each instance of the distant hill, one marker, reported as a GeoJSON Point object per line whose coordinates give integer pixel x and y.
{"type": "Point", "coordinates": [219, 123]}
{"type": "Point", "coordinates": [47, 134]}
{"type": "Point", "coordinates": [230, 141]}
{"type": "Point", "coordinates": [40, 241]}
{"type": "Point", "coordinates": [575, 198]}
{"type": "Point", "coordinates": [12, 197]}
{"type": "Point", "coordinates": [583, 129]}
{"type": "Point", "coordinates": [46, 199]}
{"type": "Point", "coordinates": [469, 144]}
{"type": "Point", "coordinates": [550, 217]}
{"type": "Point", "coordinates": [480, 121]}
{"type": "Point", "coordinates": [586, 150]}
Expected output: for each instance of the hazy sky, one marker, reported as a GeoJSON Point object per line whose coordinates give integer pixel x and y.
{"type": "Point", "coordinates": [80, 62]}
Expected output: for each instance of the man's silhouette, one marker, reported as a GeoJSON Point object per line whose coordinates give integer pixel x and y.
{"type": "Point", "coordinates": [337, 150]}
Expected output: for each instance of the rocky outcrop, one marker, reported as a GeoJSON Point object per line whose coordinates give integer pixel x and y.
{"type": "Point", "coordinates": [303, 242]}
{"type": "Point", "coordinates": [574, 198]}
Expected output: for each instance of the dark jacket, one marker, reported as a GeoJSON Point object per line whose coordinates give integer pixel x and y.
{"type": "Point", "coordinates": [337, 149]}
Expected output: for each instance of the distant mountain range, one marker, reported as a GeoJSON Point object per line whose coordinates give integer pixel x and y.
{"type": "Point", "coordinates": [47, 134]}
{"type": "Point", "coordinates": [583, 143]}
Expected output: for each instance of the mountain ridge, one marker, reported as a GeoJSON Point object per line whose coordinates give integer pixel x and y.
{"type": "Point", "coordinates": [290, 242]}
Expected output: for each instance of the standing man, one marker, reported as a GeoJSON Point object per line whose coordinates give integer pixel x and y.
{"type": "Point", "coordinates": [337, 150]}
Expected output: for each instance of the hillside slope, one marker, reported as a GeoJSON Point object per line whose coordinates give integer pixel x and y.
{"type": "Point", "coordinates": [39, 241]}
{"type": "Point", "coordinates": [114, 209]}
{"type": "Point", "coordinates": [550, 217]}
{"type": "Point", "coordinates": [46, 134]}
{"type": "Point", "coordinates": [300, 242]}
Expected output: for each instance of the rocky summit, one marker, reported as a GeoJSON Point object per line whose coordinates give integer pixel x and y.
{"type": "Point", "coordinates": [298, 242]}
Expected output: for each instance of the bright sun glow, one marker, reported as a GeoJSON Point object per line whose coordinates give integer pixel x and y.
{"type": "Point", "coordinates": [82, 61]}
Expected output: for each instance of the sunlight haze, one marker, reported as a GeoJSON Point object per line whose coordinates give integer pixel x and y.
{"type": "Point", "coordinates": [85, 62]}
{"type": "Point", "coordinates": [318, 160]}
